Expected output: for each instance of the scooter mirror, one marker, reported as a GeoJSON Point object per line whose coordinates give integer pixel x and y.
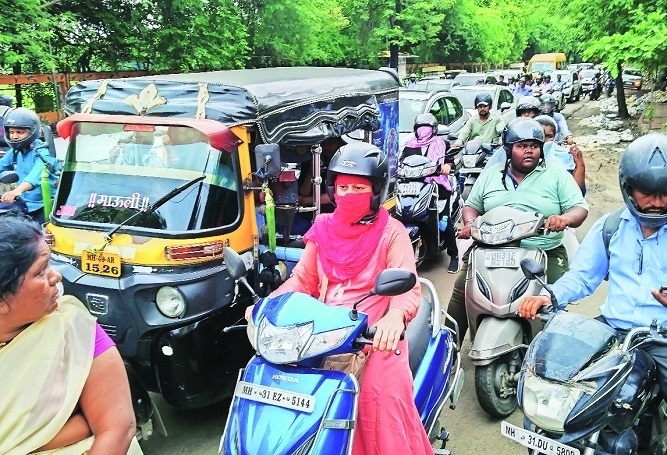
{"type": "Point", "coordinates": [531, 268]}
{"type": "Point", "coordinates": [9, 177]}
{"type": "Point", "coordinates": [394, 282]}
{"type": "Point", "coordinates": [235, 265]}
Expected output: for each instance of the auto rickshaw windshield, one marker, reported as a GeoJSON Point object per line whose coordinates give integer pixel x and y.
{"type": "Point", "coordinates": [114, 170]}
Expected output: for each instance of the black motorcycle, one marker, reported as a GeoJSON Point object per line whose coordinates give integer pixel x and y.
{"type": "Point", "coordinates": [586, 389]}
{"type": "Point", "coordinates": [419, 208]}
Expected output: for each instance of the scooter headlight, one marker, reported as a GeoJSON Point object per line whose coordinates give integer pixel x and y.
{"type": "Point", "coordinates": [282, 344]}
{"type": "Point", "coordinates": [495, 234]}
{"type": "Point", "coordinates": [413, 172]}
{"type": "Point", "coordinates": [470, 160]}
{"type": "Point", "coordinates": [170, 302]}
{"type": "Point", "coordinates": [547, 404]}
{"type": "Point", "coordinates": [326, 341]}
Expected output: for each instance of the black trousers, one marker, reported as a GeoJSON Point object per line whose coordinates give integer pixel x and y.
{"type": "Point", "coordinates": [450, 232]}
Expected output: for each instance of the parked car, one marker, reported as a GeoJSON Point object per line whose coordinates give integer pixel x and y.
{"type": "Point", "coordinates": [428, 85]}
{"type": "Point", "coordinates": [446, 107]}
{"type": "Point", "coordinates": [632, 78]}
{"type": "Point", "coordinates": [474, 78]}
{"type": "Point", "coordinates": [572, 87]}
{"type": "Point", "coordinates": [504, 100]}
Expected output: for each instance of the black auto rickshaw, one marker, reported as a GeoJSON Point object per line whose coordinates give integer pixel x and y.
{"type": "Point", "coordinates": [162, 172]}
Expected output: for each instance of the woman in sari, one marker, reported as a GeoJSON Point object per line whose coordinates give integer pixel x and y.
{"type": "Point", "coordinates": [65, 390]}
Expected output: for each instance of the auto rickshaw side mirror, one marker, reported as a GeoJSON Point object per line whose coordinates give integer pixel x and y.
{"type": "Point", "coordinates": [267, 159]}
{"type": "Point", "coordinates": [234, 263]}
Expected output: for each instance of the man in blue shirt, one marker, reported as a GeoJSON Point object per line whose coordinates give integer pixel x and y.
{"type": "Point", "coordinates": [636, 261]}
{"type": "Point", "coordinates": [522, 89]}
{"type": "Point", "coordinates": [27, 157]}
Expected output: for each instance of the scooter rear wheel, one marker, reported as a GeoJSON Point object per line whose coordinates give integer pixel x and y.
{"type": "Point", "coordinates": [490, 383]}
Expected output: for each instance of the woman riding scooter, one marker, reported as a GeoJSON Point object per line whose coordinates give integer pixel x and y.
{"type": "Point", "coordinates": [345, 251]}
{"type": "Point", "coordinates": [427, 143]}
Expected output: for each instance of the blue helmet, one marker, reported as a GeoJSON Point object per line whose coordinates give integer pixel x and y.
{"type": "Point", "coordinates": [22, 118]}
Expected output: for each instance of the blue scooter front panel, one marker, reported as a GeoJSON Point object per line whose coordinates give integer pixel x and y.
{"type": "Point", "coordinates": [256, 427]}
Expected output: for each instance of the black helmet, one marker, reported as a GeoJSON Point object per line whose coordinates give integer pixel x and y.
{"type": "Point", "coordinates": [362, 159]}
{"type": "Point", "coordinates": [426, 120]}
{"type": "Point", "coordinates": [483, 98]}
{"type": "Point", "coordinates": [548, 104]}
{"type": "Point", "coordinates": [22, 118]}
{"type": "Point", "coordinates": [6, 100]}
{"type": "Point", "coordinates": [522, 129]}
{"type": "Point", "coordinates": [643, 166]}
{"type": "Point", "coordinates": [528, 103]}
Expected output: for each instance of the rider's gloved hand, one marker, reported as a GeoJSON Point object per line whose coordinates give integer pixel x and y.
{"type": "Point", "coordinates": [529, 307]}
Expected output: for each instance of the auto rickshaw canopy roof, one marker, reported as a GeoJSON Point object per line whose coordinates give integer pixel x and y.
{"type": "Point", "coordinates": [290, 106]}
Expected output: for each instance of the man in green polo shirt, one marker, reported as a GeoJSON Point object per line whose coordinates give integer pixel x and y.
{"type": "Point", "coordinates": [527, 183]}
{"type": "Point", "coordinates": [484, 126]}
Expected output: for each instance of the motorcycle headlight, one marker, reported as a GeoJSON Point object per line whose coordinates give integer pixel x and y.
{"type": "Point", "coordinates": [547, 404]}
{"type": "Point", "coordinates": [290, 344]}
{"type": "Point", "coordinates": [470, 160]}
{"type": "Point", "coordinates": [170, 302]}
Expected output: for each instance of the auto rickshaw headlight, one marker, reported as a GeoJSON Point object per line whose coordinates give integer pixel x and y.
{"type": "Point", "coordinates": [170, 302]}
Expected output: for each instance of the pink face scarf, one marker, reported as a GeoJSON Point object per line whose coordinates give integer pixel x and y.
{"type": "Point", "coordinates": [435, 151]}
{"type": "Point", "coordinates": [345, 246]}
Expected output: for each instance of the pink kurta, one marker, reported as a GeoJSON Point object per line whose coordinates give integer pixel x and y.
{"type": "Point", "coordinates": [388, 420]}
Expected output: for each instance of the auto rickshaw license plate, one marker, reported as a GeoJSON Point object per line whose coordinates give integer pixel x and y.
{"type": "Point", "coordinates": [101, 263]}
{"type": "Point", "coordinates": [277, 397]}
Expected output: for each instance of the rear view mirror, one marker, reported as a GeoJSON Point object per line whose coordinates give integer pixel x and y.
{"type": "Point", "coordinates": [394, 282]}
{"type": "Point", "coordinates": [9, 177]}
{"type": "Point", "coordinates": [532, 269]}
{"type": "Point", "coordinates": [504, 106]}
{"type": "Point", "coordinates": [443, 130]}
{"type": "Point", "coordinates": [267, 159]}
{"type": "Point", "coordinates": [234, 262]}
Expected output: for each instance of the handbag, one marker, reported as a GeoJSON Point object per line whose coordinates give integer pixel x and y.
{"type": "Point", "coordinates": [353, 363]}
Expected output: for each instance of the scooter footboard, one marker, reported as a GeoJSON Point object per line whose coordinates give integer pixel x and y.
{"type": "Point", "coordinates": [282, 409]}
{"type": "Point", "coordinates": [494, 338]}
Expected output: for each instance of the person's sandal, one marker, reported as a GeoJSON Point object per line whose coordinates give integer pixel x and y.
{"type": "Point", "coordinates": [453, 265]}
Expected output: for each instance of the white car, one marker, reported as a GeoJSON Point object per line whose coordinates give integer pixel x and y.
{"type": "Point", "coordinates": [572, 86]}
{"type": "Point", "coordinates": [504, 101]}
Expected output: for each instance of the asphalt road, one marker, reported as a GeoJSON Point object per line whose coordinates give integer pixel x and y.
{"type": "Point", "coordinates": [471, 430]}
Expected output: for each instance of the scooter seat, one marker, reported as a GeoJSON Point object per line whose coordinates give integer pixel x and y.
{"type": "Point", "coordinates": [418, 334]}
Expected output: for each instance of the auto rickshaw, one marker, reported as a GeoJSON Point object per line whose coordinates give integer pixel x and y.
{"type": "Point", "coordinates": [161, 173]}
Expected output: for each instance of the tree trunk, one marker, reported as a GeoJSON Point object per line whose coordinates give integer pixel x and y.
{"type": "Point", "coordinates": [620, 93]}
{"type": "Point", "coordinates": [393, 47]}
{"type": "Point", "coordinates": [18, 92]}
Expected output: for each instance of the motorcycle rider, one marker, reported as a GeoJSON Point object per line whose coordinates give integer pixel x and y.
{"type": "Point", "coordinates": [526, 182]}
{"type": "Point", "coordinates": [428, 143]}
{"type": "Point", "coordinates": [548, 107]}
{"type": "Point", "coordinates": [412, 81]}
{"type": "Point", "coordinates": [634, 260]}
{"type": "Point", "coordinates": [345, 251]}
{"type": "Point", "coordinates": [27, 156]}
{"type": "Point", "coordinates": [559, 84]}
{"type": "Point", "coordinates": [571, 159]}
{"type": "Point", "coordinates": [484, 126]}
{"type": "Point", "coordinates": [522, 89]}
{"type": "Point", "coordinates": [528, 106]}
{"type": "Point", "coordinates": [547, 85]}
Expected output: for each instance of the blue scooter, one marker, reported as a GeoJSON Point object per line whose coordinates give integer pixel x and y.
{"type": "Point", "coordinates": [285, 404]}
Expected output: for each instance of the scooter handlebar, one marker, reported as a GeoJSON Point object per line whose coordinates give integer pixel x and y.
{"type": "Point", "coordinates": [370, 334]}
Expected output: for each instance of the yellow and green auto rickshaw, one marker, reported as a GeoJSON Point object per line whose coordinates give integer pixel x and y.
{"type": "Point", "coordinates": [162, 172]}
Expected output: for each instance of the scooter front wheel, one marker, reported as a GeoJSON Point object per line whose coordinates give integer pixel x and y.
{"type": "Point", "coordinates": [496, 388]}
